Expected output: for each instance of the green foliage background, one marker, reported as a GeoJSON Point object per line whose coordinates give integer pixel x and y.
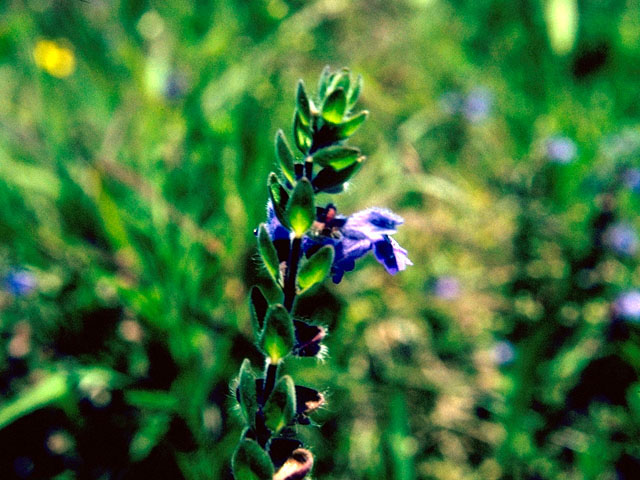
{"type": "Point", "coordinates": [130, 189]}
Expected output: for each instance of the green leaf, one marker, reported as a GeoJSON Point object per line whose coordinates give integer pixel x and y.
{"type": "Point", "coordinates": [316, 269]}
{"type": "Point", "coordinates": [258, 306]}
{"type": "Point", "coordinates": [354, 93]}
{"type": "Point", "coordinates": [336, 156]}
{"type": "Point", "coordinates": [301, 210]}
{"type": "Point", "coordinates": [278, 337]}
{"type": "Point", "coordinates": [50, 389]}
{"type": "Point", "coordinates": [281, 405]}
{"type": "Point", "coordinates": [152, 400]}
{"type": "Point", "coordinates": [247, 395]}
{"type": "Point", "coordinates": [279, 198]}
{"type": "Point", "coordinates": [268, 253]}
{"type": "Point", "coordinates": [285, 156]}
{"type": "Point", "coordinates": [303, 104]}
{"type": "Point", "coordinates": [301, 134]}
{"type": "Point", "coordinates": [323, 82]}
{"type": "Point", "coordinates": [329, 178]}
{"type": "Point", "coordinates": [334, 106]}
{"type": "Point", "coordinates": [250, 462]}
{"type": "Point", "coordinates": [151, 432]}
{"type": "Point", "coordinates": [349, 127]}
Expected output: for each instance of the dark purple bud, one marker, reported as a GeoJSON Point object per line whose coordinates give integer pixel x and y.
{"type": "Point", "coordinates": [308, 339]}
{"type": "Point", "coordinates": [308, 400]}
{"type": "Point", "coordinates": [280, 449]}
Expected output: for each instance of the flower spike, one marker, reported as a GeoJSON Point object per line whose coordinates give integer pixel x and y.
{"type": "Point", "coordinates": [300, 244]}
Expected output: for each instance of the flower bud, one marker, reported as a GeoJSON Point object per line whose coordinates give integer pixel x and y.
{"type": "Point", "coordinates": [297, 466]}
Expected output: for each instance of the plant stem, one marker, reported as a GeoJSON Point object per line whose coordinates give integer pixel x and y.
{"type": "Point", "coordinates": [292, 271]}
{"type": "Point", "coordinates": [270, 381]}
{"type": "Point", "coordinates": [308, 167]}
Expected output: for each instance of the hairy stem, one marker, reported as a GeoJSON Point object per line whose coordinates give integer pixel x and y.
{"type": "Point", "coordinates": [270, 379]}
{"type": "Point", "coordinates": [292, 271]}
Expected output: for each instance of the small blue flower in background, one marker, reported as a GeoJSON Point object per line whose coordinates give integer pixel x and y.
{"type": "Point", "coordinates": [446, 287]}
{"type": "Point", "coordinates": [20, 282]}
{"type": "Point", "coordinates": [622, 238]}
{"type": "Point", "coordinates": [561, 149]}
{"type": "Point", "coordinates": [631, 179]}
{"type": "Point", "coordinates": [627, 306]}
{"type": "Point", "coordinates": [503, 353]}
{"type": "Point", "coordinates": [477, 105]}
{"type": "Point", "coordinates": [351, 237]}
{"type": "Point", "coordinates": [175, 87]}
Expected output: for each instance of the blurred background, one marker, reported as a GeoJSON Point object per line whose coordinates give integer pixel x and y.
{"type": "Point", "coordinates": [135, 141]}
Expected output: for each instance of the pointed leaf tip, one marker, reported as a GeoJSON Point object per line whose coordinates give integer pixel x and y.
{"type": "Point", "coordinates": [285, 157]}
{"type": "Point", "coordinates": [279, 198]}
{"type": "Point", "coordinates": [349, 126]}
{"type": "Point", "coordinates": [301, 134]}
{"type": "Point", "coordinates": [354, 93]}
{"type": "Point", "coordinates": [268, 253]}
{"type": "Point", "coordinates": [258, 306]}
{"type": "Point", "coordinates": [323, 82]}
{"type": "Point", "coordinates": [303, 104]}
{"type": "Point", "coordinates": [329, 178]}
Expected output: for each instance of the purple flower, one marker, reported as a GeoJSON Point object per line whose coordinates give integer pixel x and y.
{"type": "Point", "coordinates": [20, 282]}
{"type": "Point", "coordinates": [369, 229]}
{"type": "Point", "coordinates": [351, 237]}
{"type": "Point", "coordinates": [561, 149]}
{"type": "Point", "coordinates": [627, 305]}
{"type": "Point", "coordinates": [446, 287]}
{"type": "Point", "coordinates": [622, 238]}
{"type": "Point", "coordinates": [477, 105]}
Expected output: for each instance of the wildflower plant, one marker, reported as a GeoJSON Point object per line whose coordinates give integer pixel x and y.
{"type": "Point", "coordinates": [303, 242]}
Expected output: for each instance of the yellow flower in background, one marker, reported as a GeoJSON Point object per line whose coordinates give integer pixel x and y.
{"type": "Point", "coordinates": [55, 59]}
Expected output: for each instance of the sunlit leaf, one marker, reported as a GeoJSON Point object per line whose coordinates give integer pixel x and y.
{"type": "Point", "coordinates": [301, 209]}
{"type": "Point", "coordinates": [316, 268]}
{"type": "Point", "coordinates": [281, 405]}
{"type": "Point", "coordinates": [334, 106]}
{"type": "Point", "coordinates": [268, 253]}
{"type": "Point", "coordinates": [278, 336]}
{"type": "Point", "coordinates": [285, 157]}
